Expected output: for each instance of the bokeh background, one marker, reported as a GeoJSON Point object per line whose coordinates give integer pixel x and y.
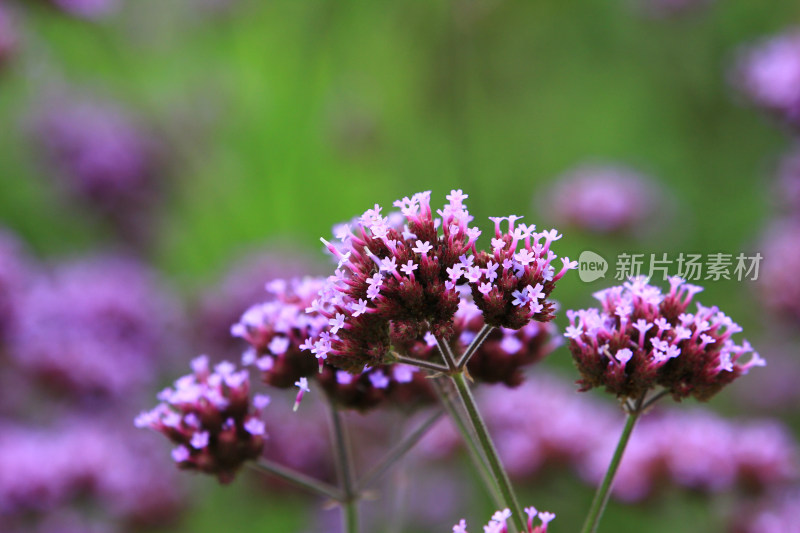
{"type": "Point", "coordinates": [208, 144]}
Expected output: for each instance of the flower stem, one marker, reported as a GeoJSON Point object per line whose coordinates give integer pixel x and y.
{"type": "Point", "coordinates": [493, 458]}
{"type": "Point", "coordinates": [419, 363]}
{"type": "Point", "coordinates": [344, 465]}
{"type": "Point", "coordinates": [397, 453]}
{"type": "Point", "coordinates": [298, 479]}
{"type": "Point", "coordinates": [474, 345]}
{"type": "Point", "coordinates": [475, 453]}
{"type": "Point", "coordinates": [604, 491]}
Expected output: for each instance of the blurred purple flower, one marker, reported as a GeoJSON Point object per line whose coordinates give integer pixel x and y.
{"type": "Point", "coordinates": [696, 449]}
{"type": "Point", "coordinates": [16, 271]}
{"type": "Point", "coordinates": [88, 9]}
{"type": "Point", "coordinates": [778, 283]}
{"type": "Point", "coordinates": [778, 514]}
{"type": "Point", "coordinates": [604, 198]}
{"type": "Point", "coordinates": [768, 74]}
{"type": "Point", "coordinates": [86, 460]}
{"type": "Point", "coordinates": [94, 326]}
{"type": "Point", "coordinates": [103, 157]}
{"type": "Point", "coordinates": [9, 38]}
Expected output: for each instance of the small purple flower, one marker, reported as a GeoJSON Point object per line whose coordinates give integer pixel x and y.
{"type": "Point", "coordinates": [498, 522]}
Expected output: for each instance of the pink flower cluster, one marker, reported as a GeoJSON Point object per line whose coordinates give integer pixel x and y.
{"type": "Point", "coordinates": [641, 339]}
{"type": "Point", "coordinates": [398, 278]}
{"type": "Point", "coordinates": [276, 331]}
{"type": "Point", "coordinates": [211, 418]}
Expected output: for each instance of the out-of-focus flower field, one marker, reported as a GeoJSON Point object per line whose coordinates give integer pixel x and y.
{"type": "Point", "coordinates": [163, 160]}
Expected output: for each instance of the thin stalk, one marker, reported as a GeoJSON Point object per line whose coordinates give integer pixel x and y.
{"type": "Point", "coordinates": [427, 365]}
{"type": "Point", "coordinates": [399, 450]}
{"type": "Point", "coordinates": [474, 451]}
{"type": "Point", "coordinates": [649, 403]}
{"type": "Point", "coordinates": [486, 443]}
{"type": "Point", "coordinates": [298, 479]}
{"type": "Point", "coordinates": [473, 346]}
{"type": "Point", "coordinates": [344, 466]}
{"type": "Point", "coordinates": [604, 490]}
{"type": "Point", "coordinates": [447, 354]}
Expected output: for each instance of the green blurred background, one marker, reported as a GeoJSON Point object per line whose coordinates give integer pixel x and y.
{"type": "Point", "coordinates": [281, 118]}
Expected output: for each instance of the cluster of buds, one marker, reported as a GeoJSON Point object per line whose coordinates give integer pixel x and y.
{"type": "Point", "coordinates": [399, 277]}
{"type": "Point", "coordinates": [498, 522]}
{"type": "Point", "coordinates": [642, 338]}
{"type": "Point", "coordinates": [503, 354]}
{"type": "Point", "coordinates": [277, 330]}
{"type": "Point", "coordinates": [210, 416]}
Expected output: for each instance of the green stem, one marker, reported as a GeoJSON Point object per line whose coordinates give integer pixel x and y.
{"type": "Point", "coordinates": [485, 441]}
{"type": "Point", "coordinates": [474, 451]}
{"type": "Point", "coordinates": [396, 453]}
{"type": "Point", "coordinates": [604, 491]}
{"type": "Point", "coordinates": [344, 465]}
{"type": "Point", "coordinates": [474, 345]}
{"type": "Point", "coordinates": [419, 363]}
{"type": "Point", "coordinates": [297, 479]}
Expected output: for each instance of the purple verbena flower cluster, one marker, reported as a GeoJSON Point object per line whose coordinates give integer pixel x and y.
{"type": "Point", "coordinates": [642, 338]}
{"type": "Point", "coordinates": [276, 331]}
{"type": "Point", "coordinates": [210, 416]}
{"type": "Point", "coordinates": [498, 522]}
{"type": "Point", "coordinates": [398, 278]}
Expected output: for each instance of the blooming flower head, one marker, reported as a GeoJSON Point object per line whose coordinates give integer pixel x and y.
{"type": "Point", "coordinates": [604, 198]}
{"type": "Point", "coordinates": [280, 333]}
{"type": "Point", "coordinates": [381, 303]}
{"type": "Point", "coordinates": [642, 338]}
{"type": "Point", "coordinates": [768, 74]}
{"type": "Point", "coordinates": [211, 418]}
{"type": "Point", "coordinates": [503, 355]}
{"type": "Point", "coordinates": [499, 522]}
